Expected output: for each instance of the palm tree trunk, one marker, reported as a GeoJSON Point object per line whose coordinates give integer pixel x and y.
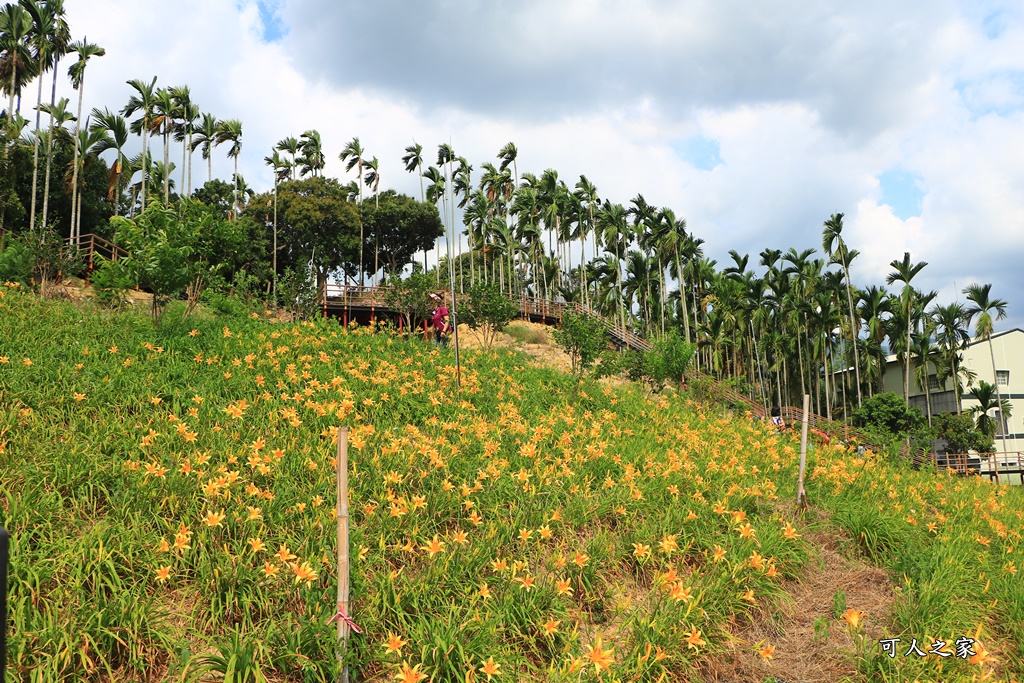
{"type": "Point", "coordinates": [824, 362]}
{"type": "Point", "coordinates": [74, 165]}
{"type": "Point", "coordinates": [906, 375]}
{"type": "Point", "coordinates": [183, 188]}
{"type": "Point", "coordinates": [167, 162]}
{"type": "Point", "coordinates": [854, 332]}
{"type": "Point", "coordinates": [35, 153]}
{"type": "Point", "coordinates": [49, 145]}
{"type": "Point", "coordinates": [928, 393]}
{"type": "Point", "coordinates": [800, 359]}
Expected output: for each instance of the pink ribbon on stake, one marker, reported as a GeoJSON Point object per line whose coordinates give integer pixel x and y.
{"type": "Point", "coordinates": [341, 616]}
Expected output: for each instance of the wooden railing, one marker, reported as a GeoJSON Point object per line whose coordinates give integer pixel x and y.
{"type": "Point", "coordinates": [92, 244]}
{"type": "Point", "coordinates": [996, 471]}
{"type": "Point", "coordinates": [793, 417]}
{"type": "Point", "coordinates": [547, 310]}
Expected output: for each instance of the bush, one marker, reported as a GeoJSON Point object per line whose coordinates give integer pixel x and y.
{"type": "Point", "coordinates": [15, 262]}
{"type": "Point", "coordinates": [582, 336]}
{"type": "Point", "coordinates": [889, 415]}
{"type": "Point", "coordinates": [297, 293]}
{"type": "Point", "coordinates": [668, 360]}
{"type": "Point", "coordinates": [960, 434]}
{"type": "Point", "coordinates": [487, 311]}
{"type": "Point", "coordinates": [411, 297]}
{"type": "Point", "coordinates": [111, 281]}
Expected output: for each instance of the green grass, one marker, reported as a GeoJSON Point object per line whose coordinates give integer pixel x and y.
{"type": "Point", "coordinates": [154, 480]}
{"type": "Point", "coordinates": [526, 335]}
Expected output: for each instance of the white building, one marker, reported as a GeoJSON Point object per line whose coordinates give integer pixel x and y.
{"type": "Point", "coordinates": [1008, 346]}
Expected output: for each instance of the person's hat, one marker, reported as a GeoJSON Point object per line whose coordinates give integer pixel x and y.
{"type": "Point", "coordinates": [435, 297]}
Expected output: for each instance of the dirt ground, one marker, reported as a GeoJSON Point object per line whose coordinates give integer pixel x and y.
{"type": "Point", "coordinates": [544, 353]}
{"type": "Point", "coordinates": [801, 655]}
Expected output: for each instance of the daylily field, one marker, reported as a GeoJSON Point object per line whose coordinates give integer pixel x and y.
{"type": "Point", "coordinates": [170, 493]}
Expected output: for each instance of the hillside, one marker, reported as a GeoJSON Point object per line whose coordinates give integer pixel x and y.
{"type": "Point", "coordinates": [170, 493]}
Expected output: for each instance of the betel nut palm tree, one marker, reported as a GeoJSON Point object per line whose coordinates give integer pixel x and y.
{"type": "Point", "coordinates": [204, 138]}
{"type": "Point", "coordinates": [834, 245]}
{"type": "Point", "coordinates": [986, 310]}
{"type": "Point", "coordinates": [144, 102]}
{"type": "Point", "coordinates": [904, 271]}
{"type": "Point", "coordinates": [230, 131]}
{"type": "Point", "coordinates": [116, 139]}
{"type": "Point", "coordinates": [85, 51]}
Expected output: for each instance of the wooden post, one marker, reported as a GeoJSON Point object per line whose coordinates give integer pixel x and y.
{"type": "Point", "coordinates": [801, 495]}
{"type": "Point", "coordinates": [995, 465]}
{"type": "Point", "coordinates": [343, 560]}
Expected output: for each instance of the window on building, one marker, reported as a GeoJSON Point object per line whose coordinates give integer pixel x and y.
{"type": "Point", "coordinates": [934, 384]}
{"type": "Point", "coordinates": [1003, 378]}
{"type": "Point", "coordinates": [1001, 426]}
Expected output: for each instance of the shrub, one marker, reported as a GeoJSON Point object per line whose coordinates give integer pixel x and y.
{"type": "Point", "coordinates": [111, 281]}
{"type": "Point", "coordinates": [668, 360]}
{"type": "Point", "coordinates": [889, 415]}
{"type": "Point", "coordinates": [960, 434]}
{"type": "Point", "coordinates": [411, 297]}
{"type": "Point", "coordinates": [487, 311]}
{"type": "Point", "coordinates": [15, 261]}
{"type": "Point", "coordinates": [297, 294]}
{"type": "Point", "coordinates": [582, 336]}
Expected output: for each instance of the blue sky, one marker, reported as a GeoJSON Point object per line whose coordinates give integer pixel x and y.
{"type": "Point", "coordinates": [755, 122]}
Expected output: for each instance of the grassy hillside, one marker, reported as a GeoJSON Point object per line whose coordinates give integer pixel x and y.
{"type": "Point", "coordinates": [170, 493]}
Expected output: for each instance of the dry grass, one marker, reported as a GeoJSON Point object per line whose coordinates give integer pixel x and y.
{"type": "Point", "coordinates": [799, 656]}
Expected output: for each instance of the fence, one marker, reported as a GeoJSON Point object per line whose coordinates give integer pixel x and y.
{"type": "Point", "coordinates": [374, 297]}
{"type": "Point", "coordinates": [1000, 468]}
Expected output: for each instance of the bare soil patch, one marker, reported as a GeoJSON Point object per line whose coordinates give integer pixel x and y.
{"type": "Point", "coordinates": [801, 655]}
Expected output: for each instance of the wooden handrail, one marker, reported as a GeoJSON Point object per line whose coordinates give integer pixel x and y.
{"type": "Point", "coordinates": [528, 305]}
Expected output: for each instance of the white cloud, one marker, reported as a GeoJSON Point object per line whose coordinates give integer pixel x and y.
{"type": "Point", "coordinates": [808, 104]}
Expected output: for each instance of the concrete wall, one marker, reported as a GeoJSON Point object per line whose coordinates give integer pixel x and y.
{"type": "Point", "coordinates": [1008, 347]}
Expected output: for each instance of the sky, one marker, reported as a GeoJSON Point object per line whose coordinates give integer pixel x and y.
{"type": "Point", "coordinates": [754, 121]}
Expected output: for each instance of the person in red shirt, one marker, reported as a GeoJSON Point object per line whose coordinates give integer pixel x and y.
{"type": "Point", "coordinates": [441, 321]}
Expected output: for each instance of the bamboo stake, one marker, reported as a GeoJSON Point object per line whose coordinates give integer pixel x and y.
{"type": "Point", "coordinates": [801, 495]}
{"type": "Point", "coordinates": [343, 559]}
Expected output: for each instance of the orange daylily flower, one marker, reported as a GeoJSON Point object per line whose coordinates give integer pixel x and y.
{"type": "Point", "coordinates": [163, 573]}
{"type": "Point", "coordinates": [601, 658]}
{"type": "Point", "coordinates": [680, 593]}
{"type": "Point", "coordinates": [213, 519]}
{"type": "Point", "coordinates": [490, 668]}
{"type": "Point", "coordinates": [304, 573]}
{"type": "Point", "coordinates": [410, 674]}
{"type": "Point", "coordinates": [853, 617]}
{"type": "Point", "coordinates": [693, 639]}
{"type": "Point", "coordinates": [550, 627]}
{"type": "Point", "coordinates": [434, 547]}
{"type": "Point", "coordinates": [766, 652]}
{"type": "Point", "coordinates": [394, 643]}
